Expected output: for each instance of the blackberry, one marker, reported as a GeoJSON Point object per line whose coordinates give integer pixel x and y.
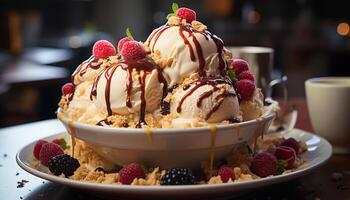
{"type": "Point", "coordinates": [63, 163]}
{"type": "Point", "coordinates": [178, 176]}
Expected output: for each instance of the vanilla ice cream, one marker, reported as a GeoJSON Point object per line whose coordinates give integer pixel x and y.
{"type": "Point", "coordinates": [191, 51]}
{"type": "Point", "coordinates": [112, 87]}
{"type": "Point", "coordinates": [208, 100]}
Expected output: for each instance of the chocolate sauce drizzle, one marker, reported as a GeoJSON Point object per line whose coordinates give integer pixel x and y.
{"type": "Point", "coordinates": [146, 65]}
{"type": "Point", "coordinates": [212, 81]}
{"type": "Point", "coordinates": [104, 122]}
{"type": "Point", "coordinates": [201, 61]}
{"type": "Point", "coordinates": [82, 68]}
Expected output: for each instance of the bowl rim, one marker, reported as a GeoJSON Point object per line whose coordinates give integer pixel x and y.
{"type": "Point", "coordinates": [266, 117]}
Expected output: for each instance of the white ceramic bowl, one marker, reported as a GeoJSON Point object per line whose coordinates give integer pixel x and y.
{"type": "Point", "coordinates": [168, 147]}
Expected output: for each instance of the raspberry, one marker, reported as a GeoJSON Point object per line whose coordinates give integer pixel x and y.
{"type": "Point", "coordinates": [187, 14]}
{"type": "Point", "coordinates": [48, 151]}
{"type": "Point", "coordinates": [264, 164]}
{"type": "Point", "coordinates": [129, 173]}
{"type": "Point", "coordinates": [63, 163]}
{"type": "Point", "coordinates": [286, 154]}
{"type": "Point", "coordinates": [122, 42]}
{"type": "Point", "coordinates": [291, 142]}
{"type": "Point", "coordinates": [178, 176]}
{"type": "Point", "coordinates": [68, 88]}
{"type": "Point", "coordinates": [133, 50]}
{"type": "Point", "coordinates": [57, 141]}
{"type": "Point", "coordinates": [245, 89]}
{"type": "Point", "coordinates": [226, 173]}
{"type": "Point", "coordinates": [239, 66]}
{"type": "Point", "coordinates": [247, 75]}
{"type": "Point", "coordinates": [103, 49]}
{"type": "Point", "coordinates": [37, 148]}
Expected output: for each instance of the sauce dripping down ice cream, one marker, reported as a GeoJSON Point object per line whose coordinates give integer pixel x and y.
{"type": "Point", "coordinates": [111, 77]}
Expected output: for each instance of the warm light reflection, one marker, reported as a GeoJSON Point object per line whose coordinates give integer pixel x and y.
{"type": "Point", "coordinates": [343, 29]}
{"type": "Point", "coordinates": [253, 17]}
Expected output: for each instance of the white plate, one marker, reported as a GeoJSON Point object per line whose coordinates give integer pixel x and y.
{"type": "Point", "coordinates": [319, 151]}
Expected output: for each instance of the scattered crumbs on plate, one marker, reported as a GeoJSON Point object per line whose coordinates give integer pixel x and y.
{"type": "Point", "coordinates": [21, 183]}
{"type": "Point", "coordinates": [336, 176]}
{"type": "Point", "coordinates": [21, 197]}
{"type": "Point", "coordinates": [5, 155]}
{"type": "Point", "coordinates": [43, 182]}
{"type": "Point", "coordinates": [17, 174]}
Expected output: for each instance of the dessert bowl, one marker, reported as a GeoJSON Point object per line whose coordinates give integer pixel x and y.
{"type": "Point", "coordinates": [169, 147]}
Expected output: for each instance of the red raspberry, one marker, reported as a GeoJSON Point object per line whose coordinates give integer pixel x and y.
{"type": "Point", "coordinates": [286, 154]}
{"type": "Point", "coordinates": [245, 89]}
{"type": "Point", "coordinates": [133, 50]}
{"type": "Point", "coordinates": [57, 141]}
{"type": "Point", "coordinates": [37, 148]}
{"type": "Point", "coordinates": [48, 151]}
{"type": "Point", "coordinates": [187, 14]}
{"type": "Point", "coordinates": [239, 66]}
{"type": "Point", "coordinates": [122, 42]}
{"type": "Point", "coordinates": [68, 88]}
{"type": "Point", "coordinates": [103, 49]}
{"type": "Point", "coordinates": [264, 164]}
{"type": "Point", "coordinates": [247, 75]}
{"type": "Point", "coordinates": [226, 173]}
{"type": "Point", "coordinates": [291, 142]}
{"type": "Point", "coordinates": [130, 172]}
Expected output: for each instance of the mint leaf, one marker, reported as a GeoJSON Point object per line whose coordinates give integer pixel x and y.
{"type": "Point", "coordinates": [175, 7]}
{"type": "Point", "coordinates": [170, 15]}
{"type": "Point", "coordinates": [231, 74]}
{"type": "Point", "coordinates": [63, 144]}
{"type": "Point", "coordinates": [128, 33]}
{"type": "Point", "coordinates": [146, 168]}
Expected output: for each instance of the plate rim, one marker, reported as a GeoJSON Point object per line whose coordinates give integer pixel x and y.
{"type": "Point", "coordinates": [184, 188]}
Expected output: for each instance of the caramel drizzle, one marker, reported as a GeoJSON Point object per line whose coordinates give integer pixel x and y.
{"type": "Point", "coordinates": [144, 65]}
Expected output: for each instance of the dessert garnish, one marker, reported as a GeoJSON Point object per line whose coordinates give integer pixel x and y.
{"type": "Point", "coordinates": [128, 173]}
{"type": "Point", "coordinates": [63, 164]}
{"type": "Point", "coordinates": [178, 176]}
{"type": "Point", "coordinates": [264, 164]}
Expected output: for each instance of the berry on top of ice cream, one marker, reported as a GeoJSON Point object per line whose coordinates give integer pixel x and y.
{"type": "Point", "coordinates": [187, 14]}
{"type": "Point", "coordinates": [239, 66]}
{"type": "Point", "coordinates": [122, 41]}
{"type": "Point", "coordinates": [133, 50]}
{"type": "Point", "coordinates": [67, 88]}
{"type": "Point", "coordinates": [103, 49]}
{"type": "Point", "coordinates": [248, 75]}
{"type": "Point", "coordinates": [245, 89]}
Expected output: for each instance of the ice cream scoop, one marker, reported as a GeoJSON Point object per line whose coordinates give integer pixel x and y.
{"type": "Point", "coordinates": [191, 51]}
{"type": "Point", "coordinates": [129, 87]}
{"type": "Point", "coordinates": [210, 99]}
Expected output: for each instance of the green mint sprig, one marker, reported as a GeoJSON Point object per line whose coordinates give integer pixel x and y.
{"type": "Point", "coordinates": [128, 34]}
{"type": "Point", "coordinates": [174, 7]}
{"type": "Point", "coordinates": [231, 74]}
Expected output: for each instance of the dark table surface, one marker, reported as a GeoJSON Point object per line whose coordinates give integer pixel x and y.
{"type": "Point", "coordinates": [318, 185]}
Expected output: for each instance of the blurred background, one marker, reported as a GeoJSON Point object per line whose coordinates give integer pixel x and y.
{"type": "Point", "coordinates": [42, 42]}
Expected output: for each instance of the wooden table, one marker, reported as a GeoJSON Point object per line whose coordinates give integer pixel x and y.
{"type": "Point", "coordinates": [318, 185]}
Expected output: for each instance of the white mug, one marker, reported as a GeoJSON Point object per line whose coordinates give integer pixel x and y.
{"type": "Point", "coordinates": [328, 101]}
